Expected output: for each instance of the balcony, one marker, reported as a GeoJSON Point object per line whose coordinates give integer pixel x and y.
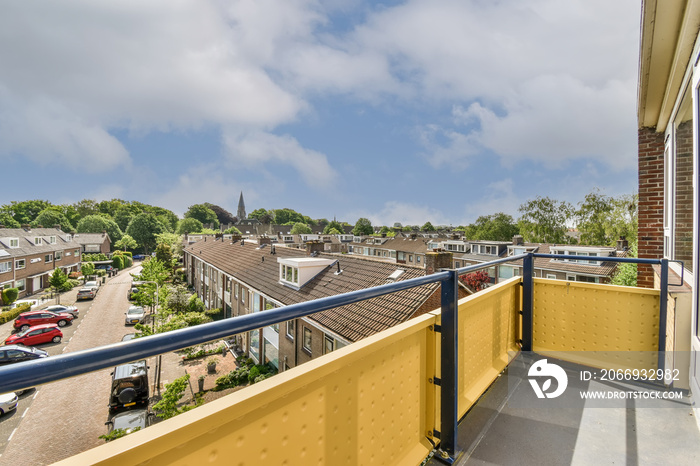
{"type": "Point", "coordinates": [397, 397]}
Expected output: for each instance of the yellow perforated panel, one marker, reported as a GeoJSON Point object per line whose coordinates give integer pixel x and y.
{"type": "Point", "coordinates": [368, 403]}
{"type": "Point", "coordinates": [615, 326]}
{"type": "Point", "coordinates": [488, 328]}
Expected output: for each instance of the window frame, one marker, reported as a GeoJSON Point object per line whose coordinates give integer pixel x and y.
{"type": "Point", "coordinates": [289, 329]}
{"type": "Point", "coordinates": [307, 340]}
{"type": "Point", "coordinates": [24, 264]}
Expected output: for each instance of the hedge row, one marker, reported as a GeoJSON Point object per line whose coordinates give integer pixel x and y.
{"type": "Point", "coordinates": [13, 313]}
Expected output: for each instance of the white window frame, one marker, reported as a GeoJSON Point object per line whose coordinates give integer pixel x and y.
{"type": "Point", "coordinates": [551, 276]}
{"type": "Point", "coordinates": [58, 255]}
{"type": "Point", "coordinates": [23, 264]}
{"type": "Point", "coordinates": [21, 284]}
{"type": "Point", "coordinates": [37, 241]}
{"type": "Point", "coordinates": [7, 267]}
{"type": "Point", "coordinates": [307, 331]}
{"type": "Point", "coordinates": [289, 329]}
{"type": "Point", "coordinates": [52, 239]}
{"type": "Point", "coordinates": [14, 243]}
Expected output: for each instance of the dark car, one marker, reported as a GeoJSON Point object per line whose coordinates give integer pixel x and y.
{"type": "Point", "coordinates": [111, 271]}
{"type": "Point", "coordinates": [11, 354]}
{"type": "Point", "coordinates": [32, 318]}
{"type": "Point", "coordinates": [129, 386]}
{"type": "Point", "coordinates": [130, 421]}
{"type": "Point", "coordinates": [44, 333]}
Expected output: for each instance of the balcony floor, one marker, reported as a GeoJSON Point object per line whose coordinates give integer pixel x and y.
{"type": "Point", "coordinates": [506, 428]}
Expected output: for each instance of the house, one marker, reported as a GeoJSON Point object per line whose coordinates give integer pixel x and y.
{"type": "Point", "coordinates": [28, 256]}
{"type": "Point", "coordinates": [245, 277]}
{"type": "Point", "coordinates": [668, 111]}
{"type": "Point", "coordinates": [94, 243]}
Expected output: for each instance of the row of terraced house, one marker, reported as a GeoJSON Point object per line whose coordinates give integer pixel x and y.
{"type": "Point", "coordinates": [28, 255]}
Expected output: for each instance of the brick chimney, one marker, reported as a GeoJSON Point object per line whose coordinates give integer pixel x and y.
{"type": "Point", "coordinates": [26, 227]}
{"type": "Point", "coordinates": [264, 240]}
{"type": "Point", "coordinates": [436, 260]}
{"type": "Point", "coordinates": [104, 232]}
{"type": "Point", "coordinates": [518, 240]}
{"type": "Point", "coordinates": [622, 244]}
{"type": "Point", "coordinates": [314, 246]}
{"type": "Point", "coordinates": [58, 227]}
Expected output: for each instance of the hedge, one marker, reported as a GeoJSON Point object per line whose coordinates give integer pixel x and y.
{"type": "Point", "coordinates": [123, 253]}
{"type": "Point", "coordinates": [13, 313]}
{"type": "Point", "coordinates": [118, 262]}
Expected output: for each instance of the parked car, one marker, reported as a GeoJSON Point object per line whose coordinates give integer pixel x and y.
{"type": "Point", "coordinates": [93, 285]}
{"type": "Point", "coordinates": [72, 310]}
{"type": "Point", "coordinates": [131, 294]}
{"type": "Point", "coordinates": [111, 271]}
{"type": "Point", "coordinates": [138, 257]}
{"type": "Point", "coordinates": [44, 333]}
{"type": "Point", "coordinates": [134, 315]}
{"type": "Point", "coordinates": [32, 318]}
{"type": "Point", "coordinates": [8, 402]}
{"type": "Point", "coordinates": [129, 336]}
{"type": "Point", "coordinates": [130, 421]}
{"type": "Point", "coordinates": [86, 293]}
{"type": "Point", "coordinates": [129, 386]}
{"type": "Point", "coordinates": [18, 353]}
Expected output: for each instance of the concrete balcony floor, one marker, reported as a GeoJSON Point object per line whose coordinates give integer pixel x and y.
{"type": "Point", "coordinates": [506, 427]}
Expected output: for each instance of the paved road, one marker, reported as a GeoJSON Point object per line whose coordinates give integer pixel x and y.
{"type": "Point", "coordinates": [64, 418]}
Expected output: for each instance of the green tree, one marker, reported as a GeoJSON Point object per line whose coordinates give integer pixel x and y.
{"type": "Point", "coordinates": [110, 207]}
{"type": "Point", "coordinates": [232, 231]}
{"type": "Point", "coordinates": [9, 296]}
{"type": "Point", "coordinates": [98, 223]}
{"type": "Point", "coordinates": [126, 242]}
{"type": "Point", "coordinates": [222, 215]}
{"type": "Point", "coordinates": [622, 220]}
{"type": "Point", "coordinates": [427, 227]}
{"type": "Point", "coordinates": [300, 228]}
{"type": "Point", "coordinates": [202, 213]}
{"type": "Point", "coordinates": [178, 299]}
{"type": "Point", "coordinates": [333, 231]}
{"type": "Point", "coordinates": [58, 281]}
{"type": "Point", "coordinates": [286, 215]}
{"type": "Point", "coordinates": [144, 228]}
{"type": "Point", "coordinates": [626, 274]}
{"type": "Point", "coordinates": [168, 406]}
{"type": "Point", "coordinates": [86, 207]}
{"type": "Point", "coordinates": [167, 217]}
{"type": "Point", "coordinates": [363, 227]}
{"type": "Point", "coordinates": [50, 217]}
{"type": "Point", "coordinates": [173, 241]}
{"type": "Point", "coordinates": [189, 225]}
{"type": "Point", "coordinates": [263, 216]}
{"type": "Point", "coordinates": [496, 227]}
{"type": "Point", "coordinates": [24, 212]}
{"type": "Point", "coordinates": [333, 224]}
{"type": "Point", "coordinates": [544, 220]}
{"type": "Point", "coordinates": [87, 269]}
{"type": "Point", "coordinates": [7, 221]}
{"type": "Point", "coordinates": [123, 216]}
{"type": "Point", "coordinates": [591, 218]}
{"type": "Point", "coordinates": [164, 254]}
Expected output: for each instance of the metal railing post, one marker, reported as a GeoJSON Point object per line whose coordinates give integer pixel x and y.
{"type": "Point", "coordinates": [448, 366]}
{"type": "Point", "coordinates": [663, 303]}
{"type": "Point", "coordinates": [528, 298]}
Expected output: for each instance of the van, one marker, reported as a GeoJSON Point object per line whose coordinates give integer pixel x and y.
{"type": "Point", "coordinates": [129, 386]}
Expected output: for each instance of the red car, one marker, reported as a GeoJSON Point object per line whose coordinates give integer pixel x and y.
{"type": "Point", "coordinates": [44, 333]}
{"type": "Point", "coordinates": [32, 318]}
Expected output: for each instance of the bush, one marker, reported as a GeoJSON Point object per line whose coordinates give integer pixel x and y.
{"type": "Point", "coordinates": [101, 272]}
{"type": "Point", "coordinates": [74, 275]}
{"type": "Point", "coordinates": [233, 379]}
{"type": "Point", "coordinates": [258, 371]}
{"type": "Point", "coordinates": [117, 262]}
{"type": "Point", "coordinates": [213, 312]}
{"type": "Point", "coordinates": [13, 313]}
{"type": "Point", "coordinates": [123, 253]}
{"type": "Point", "coordinates": [195, 304]}
{"type": "Point", "coordinates": [128, 261]}
{"type": "Point", "coordinates": [9, 295]}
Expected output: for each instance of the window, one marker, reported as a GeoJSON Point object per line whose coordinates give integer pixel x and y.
{"type": "Point", "coordinates": [48, 258]}
{"type": "Point", "coordinates": [20, 285]}
{"type": "Point", "coordinates": [418, 259]}
{"type": "Point", "coordinates": [243, 292]}
{"type": "Point", "coordinates": [236, 288]}
{"type": "Point", "coordinates": [5, 267]}
{"type": "Point", "coordinates": [289, 274]}
{"type": "Point", "coordinates": [37, 241]}
{"type": "Point", "coordinates": [290, 329]}
{"type": "Point", "coordinates": [59, 255]}
{"type": "Point", "coordinates": [52, 239]}
{"type": "Point", "coordinates": [20, 264]}
{"type": "Point", "coordinates": [410, 258]}
{"type": "Point", "coordinates": [328, 344]}
{"type": "Point", "coordinates": [551, 276]}
{"type": "Point", "coordinates": [14, 242]}
{"type": "Point", "coordinates": [307, 340]}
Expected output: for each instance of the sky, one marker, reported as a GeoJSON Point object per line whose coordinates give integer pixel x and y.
{"type": "Point", "coordinates": [397, 111]}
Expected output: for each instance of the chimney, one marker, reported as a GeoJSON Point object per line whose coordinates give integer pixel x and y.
{"type": "Point", "coordinates": [517, 240]}
{"type": "Point", "coordinates": [58, 227]}
{"type": "Point", "coordinates": [264, 240]}
{"type": "Point", "coordinates": [383, 235]}
{"type": "Point", "coordinates": [104, 232]}
{"type": "Point", "coordinates": [26, 227]}
{"type": "Point", "coordinates": [314, 246]}
{"type": "Point", "coordinates": [436, 260]}
{"type": "Point", "coordinates": [622, 244]}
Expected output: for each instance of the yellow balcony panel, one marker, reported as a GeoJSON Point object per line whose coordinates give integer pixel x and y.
{"type": "Point", "coordinates": [608, 326]}
{"type": "Point", "coordinates": [367, 403]}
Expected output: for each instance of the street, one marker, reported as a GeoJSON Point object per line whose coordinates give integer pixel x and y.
{"type": "Point", "coordinates": [61, 419]}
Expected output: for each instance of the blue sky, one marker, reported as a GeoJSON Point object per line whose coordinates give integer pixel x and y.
{"type": "Point", "coordinates": [405, 112]}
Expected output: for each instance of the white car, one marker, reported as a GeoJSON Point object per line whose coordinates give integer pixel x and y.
{"type": "Point", "coordinates": [57, 308]}
{"type": "Point", "coordinates": [8, 402]}
{"type": "Point", "coordinates": [134, 315]}
{"type": "Point", "coordinates": [92, 284]}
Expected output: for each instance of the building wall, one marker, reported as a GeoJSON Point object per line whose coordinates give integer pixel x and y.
{"type": "Point", "coordinates": [651, 201]}
{"type": "Point", "coordinates": [683, 234]}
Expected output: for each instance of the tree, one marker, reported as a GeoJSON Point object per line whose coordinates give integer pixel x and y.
{"type": "Point", "coordinates": [98, 223]}
{"type": "Point", "coordinates": [110, 207]}
{"type": "Point", "coordinates": [224, 216]}
{"type": "Point", "coordinates": [496, 227]}
{"type": "Point", "coordinates": [50, 217]}
{"type": "Point", "coordinates": [322, 222]}
{"type": "Point", "coordinates": [232, 231]}
{"type": "Point", "coordinates": [25, 212]}
{"type": "Point", "coordinates": [544, 220]}
{"type": "Point", "coordinates": [427, 227]}
{"type": "Point", "coordinates": [86, 207]}
{"type": "Point", "coordinates": [167, 407]}
{"type": "Point", "coordinates": [126, 242]}
{"type": "Point", "coordinates": [123, 216]}
{"type": "Point", "coordinates": [287, 215]}
{"type": "Point", "coordinates": [202, 213]}
{"type": "Point", "coordinates": [178, 299]}
{"type": "Point", "coordinates": [263, 216]}
{"type": "Point", "coordinates": [9, 296]}
{"type": "Point", "coordinates": [189, 225]}
{"type": "Point", "coordinates": [626, 274]}
{"type": "Point", "coordinates": [164, 254]}
{"type": "Point", "coordinates": [363, 227]}
{"type": "Point", "coordinates": [333, 231]}
{"type": "Point", "coordinates": [591, 218]}
{"type": "Point", "coordinates": [7, 221]}
{"type": "Point", "coordinates": [333, 225]}
{"type": "Point", "coordinates": [300, 228]}
{"type": "Point", "coordinates": [58, 282]}
{"type": "Point", "coordinates": [622, 220]}
{"type": "Point", "coordinates": [144, 228]}
{"type": "Point", "coordinates": [87, 269]}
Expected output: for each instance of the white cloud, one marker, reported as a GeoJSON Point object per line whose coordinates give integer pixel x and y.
{"type": "Point", "coordinates": [257, 149]}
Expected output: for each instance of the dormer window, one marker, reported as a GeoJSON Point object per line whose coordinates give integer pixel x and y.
{"type": "Point", "coordinates": [14, 243]}
{"type": "Point", "coordinates": [37, 241]}
{"type": "Point", "coordinates": [296, 272]}
{"type": "Point", "coordinates": [289, 274]}
{"type": "Point", "coordinates": [52, 239]}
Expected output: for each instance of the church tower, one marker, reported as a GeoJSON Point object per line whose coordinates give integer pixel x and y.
{"type": "Point", "coordinates": [241, 209]}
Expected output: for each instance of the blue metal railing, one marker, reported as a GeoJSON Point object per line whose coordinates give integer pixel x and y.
{"type": "Point", "coordinates": [37, 372]}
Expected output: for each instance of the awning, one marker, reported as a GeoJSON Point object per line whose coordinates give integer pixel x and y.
{"type": "Point", "coordinates": [40, 274]}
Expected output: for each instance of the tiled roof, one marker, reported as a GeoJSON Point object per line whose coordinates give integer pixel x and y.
{"type": "Point", "coordinates": [90, 238]}
{"type": "Point", "coordinates": [258, 268]}
{"type": "Point", "coordinates": [26, 241]}
{"type": "Point", "coordinates": [543, 263]}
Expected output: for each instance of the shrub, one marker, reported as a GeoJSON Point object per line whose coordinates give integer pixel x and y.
{"type": "Point", "coordinates": [101, 272]}
{"type": "Point", "coordinates": [128, 261]}
{"type": "Point", "coordinates": [74, 275]}
{"type": "Point", "coordinates": [123, 253]}
{"type": "Point", "coordinates": [213, 312]}
{"type": "Point", "coordinates": [195, 304]}
{"type": "Point", "coordinates": [118, 433]}
{"type": "Point", "coordinates": [232, 379]}
{"type": "Point", "coordinates": [10, 295]}
{"type": "Point", "coordinates": [13, 313]}
{"type": "Point", "coordinates": [257, 371]}
{"type": "Point", "coordinates": [117, 262]}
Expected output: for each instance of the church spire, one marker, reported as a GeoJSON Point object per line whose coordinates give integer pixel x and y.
{"type": "Point", "coordinates": [241, 209]}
